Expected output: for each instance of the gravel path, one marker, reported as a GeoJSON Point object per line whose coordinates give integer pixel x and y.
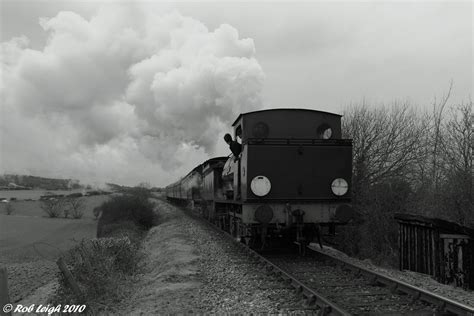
{"type": "Point", "coordinates": [191, 268]}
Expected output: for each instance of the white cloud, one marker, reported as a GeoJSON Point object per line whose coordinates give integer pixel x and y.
{"type": "Point", "coordinates": [127, 95]}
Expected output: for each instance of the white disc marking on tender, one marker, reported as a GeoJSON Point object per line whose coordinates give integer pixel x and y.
{"type": "Point", "coordinates": [339, 186]}
{"type": "Point", "coordinates": [260, 185]}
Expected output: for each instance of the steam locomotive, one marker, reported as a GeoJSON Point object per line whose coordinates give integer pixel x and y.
{"type": "Point", "coordinates": [291, 180]}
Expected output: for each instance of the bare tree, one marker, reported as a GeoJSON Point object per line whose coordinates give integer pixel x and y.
{"type": "Point", "coordinates": [459, 143]}
{"type": "Point", "coordinates": [144, 185]}
{"type": "Point", "coordinates": [405, 160]}
{"type": "Point", "coordinates": [428, 170]}
{"type": "Point", "coordinates": [438, 109]}
{"type": "Point", "coordinates": [77, 206]}
{"type": "Point", "coordinates": [52, 207]}
{"type": "Point", "coordinates": [386, 149]}
{"type": "Point", "coordinates": [457, 163]}
{"type": "Point", "coordinates": [386, 143]}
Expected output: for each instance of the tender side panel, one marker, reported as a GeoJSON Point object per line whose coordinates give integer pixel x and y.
{"type": "Point", "coordinates": [299, 172]}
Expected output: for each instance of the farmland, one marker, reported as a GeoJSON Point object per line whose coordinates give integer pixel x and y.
{"type": "Point", "coordinates": [30, 242]}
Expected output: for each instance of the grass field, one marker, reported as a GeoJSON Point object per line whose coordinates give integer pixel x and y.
{"type": "Point", "coordinates": [30, 242]}
{"type": "Point", "coordinates": [24, 238]}
{"type": "Point", "coordinates": [28, 230]}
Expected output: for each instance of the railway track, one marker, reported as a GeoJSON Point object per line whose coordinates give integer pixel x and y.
{"type": "Point", "coordinates": [338, 287]}
{"type": "Point", "coordinates": [332, 286]}
{"type": "Point", "coordinates": [442, 305]}
{"type": "Point", "coordinates": [358, 291]}
{"type": "Point", "coordinates": [354, 293]}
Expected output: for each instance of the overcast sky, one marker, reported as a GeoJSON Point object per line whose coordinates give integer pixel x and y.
{"type": "Point", "coordinates": [137, 91]}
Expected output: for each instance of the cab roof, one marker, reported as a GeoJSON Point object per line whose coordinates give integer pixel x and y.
{"type": "Point", "coordinates": [283, 109]}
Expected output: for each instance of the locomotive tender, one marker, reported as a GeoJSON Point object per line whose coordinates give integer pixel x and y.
{"type": "Point", "coordinates": [292, 178]}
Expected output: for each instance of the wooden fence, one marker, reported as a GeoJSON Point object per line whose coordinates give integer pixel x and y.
{"type": "Point", "coordinates": [437, 247]}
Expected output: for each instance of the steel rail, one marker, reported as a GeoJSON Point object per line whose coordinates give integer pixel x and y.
{"type": "Point", "coordinates": [312, 297]}
{"type": "Point", "coordinates": [443, 304]}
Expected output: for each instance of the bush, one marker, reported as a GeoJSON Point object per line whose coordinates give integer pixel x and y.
{"type": "Point", "coordinates": [98, 266]}
{"type": "Point", "coordinates": [76, 206]}
{"type": "Point", "coordinates": [348, 238]}
{"type": "Point", "coordinates": [74, 195]}
{"type": "Point", "coordinates": [77, 213]}
{"type": "Point", "coordinates": [53, 207]}
{"type": "Point", "coordinates": [140, 192]}
{"type": "Point", "coordinates": [9, 209]}
{"type": "Point", "coordinates": [376, 237]}
{"type": "Point", "coordinates": [104, 267]}
{"type": "Point", "coordinates": [97, 211]}
{"type": "Point", "coordinates": [127, 207]}
{"type": "Point", "coordinates": [124, 229]}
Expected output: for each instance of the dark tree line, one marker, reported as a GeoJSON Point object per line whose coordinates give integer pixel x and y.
{"type": "Point", "coordinates": [408, 160]}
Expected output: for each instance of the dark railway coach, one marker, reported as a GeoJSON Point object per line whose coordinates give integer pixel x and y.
{"type": "Point", "coordinates": [291, 179]}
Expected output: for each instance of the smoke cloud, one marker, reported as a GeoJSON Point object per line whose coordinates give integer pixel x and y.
{"type": "Point", "coordinates": [125, 96]}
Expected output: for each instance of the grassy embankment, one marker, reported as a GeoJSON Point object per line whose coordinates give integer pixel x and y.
{"type": "Point", "coordinates": [104, 268]}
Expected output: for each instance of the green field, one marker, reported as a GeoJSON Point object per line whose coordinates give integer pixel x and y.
{"type": "Point", "coordinates": [28, 233]}
{"type": "Point", "coordinates": [30, 242]}
{"type": "Point", "coordinates": [24, 238]}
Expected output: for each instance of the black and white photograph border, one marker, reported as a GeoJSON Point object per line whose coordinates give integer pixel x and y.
{"type": "Point", "coordinates": [310, 157]}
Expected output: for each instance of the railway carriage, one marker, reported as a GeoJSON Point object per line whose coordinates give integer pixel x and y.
{"type": "Point", "coordinates": [292, 178]}
{"type": "Point", "coordinates": [187, 188]}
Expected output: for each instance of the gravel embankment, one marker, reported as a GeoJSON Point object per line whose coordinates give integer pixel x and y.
{"type": "Point", "coordinates": [191, 268]}
{"type": "Point", "coordinates": [416, 279]}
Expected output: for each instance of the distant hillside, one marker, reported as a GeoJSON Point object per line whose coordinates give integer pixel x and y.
{"type": "Point", "coordinates": [123, 188]}
{"type": "Point", "coordinates": [117, 187]}
{"type": "Point", "coordinates": [38, 182]}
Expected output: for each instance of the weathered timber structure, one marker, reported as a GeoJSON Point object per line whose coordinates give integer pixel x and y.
{"type": "Point", "coordinates": [437, 247]}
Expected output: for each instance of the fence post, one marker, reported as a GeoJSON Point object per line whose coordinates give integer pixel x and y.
{"type": "Point", "coordinates": [4, 296]}
{"type": "Point", "coordinates": [69, 278]}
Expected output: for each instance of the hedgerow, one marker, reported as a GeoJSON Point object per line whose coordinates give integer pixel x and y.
{"type": "Point", "coordinates": [135, 207]}
{"type": "Point", "coordinates": [105, 267]}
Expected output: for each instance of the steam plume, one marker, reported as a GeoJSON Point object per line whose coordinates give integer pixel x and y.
{"type": "Point", "coordinates": [125, 96]}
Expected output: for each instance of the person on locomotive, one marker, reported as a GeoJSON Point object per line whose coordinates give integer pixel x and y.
{"type": "Point", "coordinates": [234, 145]}
{"type": "Point", "coordinates": [236, 149]}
